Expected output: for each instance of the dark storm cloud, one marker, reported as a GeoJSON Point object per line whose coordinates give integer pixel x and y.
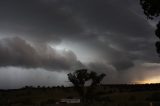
{"type": "Point", "coordinates": [18, 52]}
{"type": "Point", "coordinates": [115, 31]}
{"type": "Point", "coordinates": [81, 21]}
{"type": "Point", "coordinates": [49, 19]}
{"type": "Point", "coordinates": [126, 34]}
{"type": "Point", "coordinates": [34, 18]}
{"type": "Point", "coordinates": [115, 16]}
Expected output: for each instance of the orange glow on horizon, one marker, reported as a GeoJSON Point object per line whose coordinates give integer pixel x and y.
{"type": "Point", "coordinates": [149, 80]}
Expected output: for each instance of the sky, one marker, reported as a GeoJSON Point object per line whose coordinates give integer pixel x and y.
{"type": "Point", "coordinates": [41, 41]}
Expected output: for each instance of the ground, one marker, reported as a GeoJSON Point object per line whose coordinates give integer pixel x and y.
{"type": "Point", "coordinates": [113, 95]}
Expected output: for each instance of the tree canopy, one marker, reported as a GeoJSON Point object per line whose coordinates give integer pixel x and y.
{"type": "Point", "coordinates": [79, 79]}
{"type": "Point", "coordinates": [151, 10]}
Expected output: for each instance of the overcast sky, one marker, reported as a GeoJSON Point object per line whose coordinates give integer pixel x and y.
{"type": "Point", "coordinates": [43, 40]}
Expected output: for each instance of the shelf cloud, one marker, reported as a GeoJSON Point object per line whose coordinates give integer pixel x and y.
{"type": "Point", "coordinates": [111, 36]}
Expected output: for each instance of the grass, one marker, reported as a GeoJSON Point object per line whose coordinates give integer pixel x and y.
{"type": "Point", "coordinates": [110, 95]}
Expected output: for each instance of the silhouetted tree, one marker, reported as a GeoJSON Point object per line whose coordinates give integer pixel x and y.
{"type": "Point", "coordinates": [96, 79]}
{"type": "Point", "coordinates": [151, 10]}
{"type": "Point", "coordinates": [80, 77]}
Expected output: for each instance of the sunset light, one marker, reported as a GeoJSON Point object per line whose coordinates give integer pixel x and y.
{"type": "Point", "coordinates": [150, 80]}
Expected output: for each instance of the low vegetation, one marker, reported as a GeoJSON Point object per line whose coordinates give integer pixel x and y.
{"type": "Point", "coordinates": [104, 94]}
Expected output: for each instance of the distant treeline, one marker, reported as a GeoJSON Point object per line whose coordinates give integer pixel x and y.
{"type": "Point", "coordinates": [121, 87]}
{"type": "Point", "coordinates": [133, 87]}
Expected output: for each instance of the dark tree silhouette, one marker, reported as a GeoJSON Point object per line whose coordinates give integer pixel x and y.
{"type": "Point", "coordinates": [151, 10]}
{"type": "Point", "coordinates": [96, 79]}
{"type": "Point", "coordinates": [79, 79]}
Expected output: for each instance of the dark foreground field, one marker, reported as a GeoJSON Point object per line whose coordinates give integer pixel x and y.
{"type": "Point", "coordinates": [105, 95]}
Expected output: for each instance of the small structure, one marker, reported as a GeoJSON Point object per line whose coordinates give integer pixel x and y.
{"type": "Point", "coordinates": [70, 100]}
{"type": "Point", "coordinates": [150, 104]}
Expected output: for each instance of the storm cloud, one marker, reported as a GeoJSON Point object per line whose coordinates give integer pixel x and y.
{"type": "Point", "coordinates": [109, 36]}
{"type": "Point", "coordinates": [18, 52]}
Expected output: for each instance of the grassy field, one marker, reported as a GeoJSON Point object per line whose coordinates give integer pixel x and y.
{"type": "Point", "coordinates": [104, 95]}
